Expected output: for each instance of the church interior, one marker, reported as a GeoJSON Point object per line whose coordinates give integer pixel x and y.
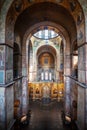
{"type": "Point", "coordinates": [43, 64]}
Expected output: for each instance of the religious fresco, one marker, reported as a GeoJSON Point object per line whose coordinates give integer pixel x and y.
{"type": "Point", "coordinates": [9, 76]}
{"type": "Point", "coordinates": [10, 21]}
{"type": "Point", "coordinates": [54, 42]}
{"type": "Point", "coordinates": [79, 18]}
{"type": "Point", "coordinates": [18, 5]}
{"type": "Point", "coordinates": [73, 4]}
{"type": "Point", "coordinates": [2, 57]}
{"type": "Point", "coordinates": [9, 58]}
{"type": "Point", "coordinates": [36, 43]}
{"type": "Point", "coordinates": [81, 35]}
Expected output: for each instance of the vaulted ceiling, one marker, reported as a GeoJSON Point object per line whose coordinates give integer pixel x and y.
{"type": "Point", "coordinates": [46, 49]}
{"type": "Point", "coordinates": [45, 11]}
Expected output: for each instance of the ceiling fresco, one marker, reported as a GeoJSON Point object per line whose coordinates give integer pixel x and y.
{"type": "Point", "coordinates": [68, 13]}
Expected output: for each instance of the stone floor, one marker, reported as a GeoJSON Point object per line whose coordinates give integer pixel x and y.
{"type": "Point", "coordinates": [46, 117]}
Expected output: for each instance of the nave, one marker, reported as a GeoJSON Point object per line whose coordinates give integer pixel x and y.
{"type": "Point", "coordinates": [46, 117]}
{"type": "Point", "coordinates": [43, 54]}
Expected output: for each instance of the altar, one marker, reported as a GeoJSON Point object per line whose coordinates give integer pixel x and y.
{"type": "Point", "coordinates": [46, 94]}
{"type": "Point", "coordinates": [46, 91]}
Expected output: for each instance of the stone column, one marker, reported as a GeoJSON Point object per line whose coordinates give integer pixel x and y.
{"type": "Point", "coordinates": [67, 99]}
{"type": "Point", "coordinates": [82, 91]}
{"type": "Point", "coordinates": [6, 107]}
{"type": "Point", "coordinates": [6, 87]}
{"type": "Point", "coordinates": [25, 91]}
{"type": "Point", "coordinates": [25, 96]}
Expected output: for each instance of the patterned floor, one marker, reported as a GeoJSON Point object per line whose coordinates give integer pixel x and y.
{"type": "Point", "coordinates": [46, 117]}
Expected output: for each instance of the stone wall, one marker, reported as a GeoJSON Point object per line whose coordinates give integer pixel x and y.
{"type": "Point", "coordinates": [81, 108]}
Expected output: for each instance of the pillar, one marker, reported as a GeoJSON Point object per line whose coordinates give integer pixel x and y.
{"type": "Point", "coordinates": [25, 95]}
{"type": "Point", "coordinates": [82, 91]}
{"type": "Point", "coordinates": [6, 107]}
{"type": "Point", "coordinates": [6, 87]}
{"type": "Point", "coordinates": [67, 99]}
{"type": "Point", "coordinates": [25, 91]}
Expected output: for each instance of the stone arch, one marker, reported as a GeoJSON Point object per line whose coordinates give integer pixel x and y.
{"type": "Point", "coordinates": [4, 9]}
{"type": "Point", "coordinates": [7, 4]}
{"type": "Point", "coordinates": [64, 34]}
{"type": "Point", "coordinates": [67, 57]}
{"type": "Point", "coordinates": [52, 51]}
{"type": "Point", "coordinates": [50, 46]}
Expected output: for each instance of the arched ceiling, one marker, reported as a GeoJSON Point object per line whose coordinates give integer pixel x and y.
{"type": "Point", "coordinates": [45, 11]}
{"type": "Point", "coordinates": [46, 49]}
{"type": "Point", "coordinates": [72, 10]}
